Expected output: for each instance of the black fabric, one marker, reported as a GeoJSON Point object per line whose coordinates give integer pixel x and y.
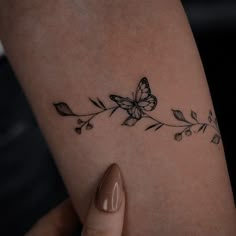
{"type": "Point", "coordinates": [29, 182]}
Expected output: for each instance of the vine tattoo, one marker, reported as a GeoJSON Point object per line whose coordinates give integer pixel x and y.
{"type": "Point", "coordinates": [139, 107]}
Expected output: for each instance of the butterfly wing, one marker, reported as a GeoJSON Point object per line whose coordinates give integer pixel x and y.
{"type": "Point", "coordinates": [135, 112]}
{"type": "Point", "coordinates": [128, 105]}
{"type": "Point", "coordinates": [144, 100]}
{"type": "Point", "coordinates": [143, 97]}
{"type": "Point", "coordinates": [124, 103]}
{"type": "Point", "coordinates": [148, 104]}
{"type": "Point", "coordinates": [143, 90]}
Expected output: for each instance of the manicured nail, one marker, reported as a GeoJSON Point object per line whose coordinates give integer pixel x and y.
{"type": "Point", "coordinates": [110, 190]}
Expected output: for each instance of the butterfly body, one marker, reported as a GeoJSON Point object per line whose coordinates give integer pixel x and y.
{"type": "Point", "coordinates": [143, 101]}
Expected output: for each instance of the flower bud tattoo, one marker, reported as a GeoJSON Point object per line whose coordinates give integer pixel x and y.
{"type": "Point", "coordinates": [139, 107]}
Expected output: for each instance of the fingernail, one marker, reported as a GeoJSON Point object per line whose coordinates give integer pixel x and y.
{"type": "Point", "coordinates": [110, 190]}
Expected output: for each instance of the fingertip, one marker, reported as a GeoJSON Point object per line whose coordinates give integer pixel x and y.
{"type": "Point", "coordinates": [107, 209]}
{"type": "Point", "coordinates": [62, 220]}
{"type": "Point", "coordinates": [110, 190]}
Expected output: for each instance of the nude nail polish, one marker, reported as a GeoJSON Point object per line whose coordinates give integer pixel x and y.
{"type": "Point", "coordinates": [110, 190]}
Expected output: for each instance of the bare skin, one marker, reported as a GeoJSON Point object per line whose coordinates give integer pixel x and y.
{"type": "Point", "coordinates": [71, 50]}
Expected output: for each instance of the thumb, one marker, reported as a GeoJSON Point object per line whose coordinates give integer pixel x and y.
{"type": "Point", "coordinates": [61, 220]}
{"type": "Point", "coordinates": [106, 214]}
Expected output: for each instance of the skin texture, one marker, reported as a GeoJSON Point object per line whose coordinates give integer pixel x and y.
{"type": "Point", "coordinates": [71, 50]}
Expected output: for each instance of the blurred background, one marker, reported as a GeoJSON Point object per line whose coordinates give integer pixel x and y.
{"type": "Point", "coordinates": [29, 182]}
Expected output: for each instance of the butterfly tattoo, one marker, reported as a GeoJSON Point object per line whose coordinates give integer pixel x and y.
{"type": "Point", "coordinates": [137, 108]}
{"type": "Point", "coordinates": [142, 101]}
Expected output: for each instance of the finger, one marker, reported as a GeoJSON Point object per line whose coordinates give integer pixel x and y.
{"type": "Point", "coordinates": [60, 221]}
{"type": "Point", "coordinates": [106, 214]}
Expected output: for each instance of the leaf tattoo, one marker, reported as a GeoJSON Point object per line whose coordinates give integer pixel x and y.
{"type": "Point", "coordinates": [63, 109]}
{"type": "Point", "coordinates": [194, 115]}
{"type": "Point", "coordinates": [95, 103]}
{"type": "Point", "coordinates": [179, 115]}
{"type": "Point", "coordinates": [137, 108]}
{"type": "Point", "coordinates": [216, 139]}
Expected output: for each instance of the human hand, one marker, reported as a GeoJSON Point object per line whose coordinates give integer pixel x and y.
{"type": "Point", "coordinates": [105, 215]}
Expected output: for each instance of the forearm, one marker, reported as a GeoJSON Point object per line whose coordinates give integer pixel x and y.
{"type": "Point", "coordinates": [67, 51]}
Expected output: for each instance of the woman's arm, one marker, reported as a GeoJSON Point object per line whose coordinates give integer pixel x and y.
{"type": "Point", "coordinates": [65, 52]}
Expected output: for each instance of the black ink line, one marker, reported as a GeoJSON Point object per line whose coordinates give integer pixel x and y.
{"type": "Point", "coordinates": [179, 126]}
{"type": "Point", "coordinates": [142, 101]}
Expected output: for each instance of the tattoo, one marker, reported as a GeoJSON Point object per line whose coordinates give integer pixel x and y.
{"type": "Point", "coordinates": [138, 108]}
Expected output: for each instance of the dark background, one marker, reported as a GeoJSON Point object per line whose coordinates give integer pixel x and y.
{"type": "Point", "coordinates": [29, 182]}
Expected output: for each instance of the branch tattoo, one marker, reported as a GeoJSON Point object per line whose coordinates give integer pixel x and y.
{"type": "Point", "coordinates": [138, 108]}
